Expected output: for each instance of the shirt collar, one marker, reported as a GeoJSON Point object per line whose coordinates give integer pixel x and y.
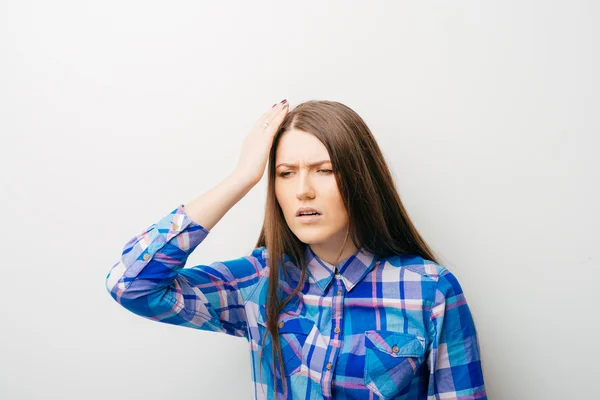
{"type": "Point", "coordinates": [351, 270]}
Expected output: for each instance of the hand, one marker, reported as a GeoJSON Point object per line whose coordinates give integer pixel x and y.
{"type": "Point", "coordinates": [257, 145]}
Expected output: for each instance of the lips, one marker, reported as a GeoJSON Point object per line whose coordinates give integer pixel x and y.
{"type": "Point", "coordinates": [307, 210]}
{"type": "Point", "coordinates": [309, 219]}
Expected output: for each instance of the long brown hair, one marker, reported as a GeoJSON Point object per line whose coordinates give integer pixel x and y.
{"type": "Point", "coordinates": [378, 221]}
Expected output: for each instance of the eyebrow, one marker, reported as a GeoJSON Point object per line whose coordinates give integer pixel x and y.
{"type": "Point", "coordinates": [314, 164]}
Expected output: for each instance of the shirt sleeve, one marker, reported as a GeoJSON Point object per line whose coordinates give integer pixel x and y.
{"type": "Point", "coordinates": [455, 370]}
{"type": "Point", "coordinates": [150, 280]}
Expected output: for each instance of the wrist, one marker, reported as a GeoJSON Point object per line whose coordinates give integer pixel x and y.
{"type": "Point", "coordinates": [242, 179]}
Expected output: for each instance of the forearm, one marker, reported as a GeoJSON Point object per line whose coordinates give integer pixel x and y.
{"type": "Point", "coordinates": [208, 208]}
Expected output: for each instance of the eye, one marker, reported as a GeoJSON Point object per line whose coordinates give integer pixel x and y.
{"type": "Point", "coordinates": [286, 173]}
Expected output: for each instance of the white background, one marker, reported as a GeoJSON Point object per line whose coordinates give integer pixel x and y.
{"type": "Point", "coordinates": [112, 113]}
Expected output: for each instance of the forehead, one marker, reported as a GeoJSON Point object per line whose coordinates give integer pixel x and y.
{"type": "Point", "coordinates": [299, 146]}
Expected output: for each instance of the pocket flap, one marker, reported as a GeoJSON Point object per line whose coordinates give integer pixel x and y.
{"type": "Point", "coordinates": [396, 344]}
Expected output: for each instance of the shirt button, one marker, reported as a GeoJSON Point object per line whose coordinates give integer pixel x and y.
{"type": "Point", "coordinates": [146, 256]}
{"type": "Point", "coordinates": [395, 349]}
{"type": "Point", "coordinates": [337, 330]}
{"type": "Point", "coordinates": [329, 366]}
{"type": "Point", "coordinates": [175, 227]}
{"type": "Point", "coordinates": [280, 324]}
{"type": "Point", "coordinates": [339, 291]}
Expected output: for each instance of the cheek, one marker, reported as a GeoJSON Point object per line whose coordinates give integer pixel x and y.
{"type": "Point", "coordinates": [340, 216]}
{"type": "Point", "coordinates": [282, 199]}
{"type": "Point", "coordinates": [337, 206]}
{"type": "Point", "coordinates": [278, 196]}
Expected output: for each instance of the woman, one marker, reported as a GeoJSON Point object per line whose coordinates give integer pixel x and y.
{"type": "Point", "coordinates": [358, 306]}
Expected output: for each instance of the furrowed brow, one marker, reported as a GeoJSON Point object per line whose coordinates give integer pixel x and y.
{"type": "Point", "coordinates": [314, 164]}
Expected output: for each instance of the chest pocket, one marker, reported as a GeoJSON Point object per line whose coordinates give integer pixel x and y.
{"type": "Point", "coordinates": [391, 360]}
{"type": "Point", "coordinates": [294, 330]}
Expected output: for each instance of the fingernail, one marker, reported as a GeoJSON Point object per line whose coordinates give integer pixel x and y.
{"type": "Point", "coordinates": [283, 101]}
{"type": "Point", "coordinates": [274, 105]}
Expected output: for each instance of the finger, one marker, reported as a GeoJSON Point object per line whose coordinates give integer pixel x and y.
{"type": "Point", "coordinates": [276, 118]}
{"type": "Point", "coordinates": [274, 109]}
{"type": "Point", "coordinates": [282, 112]}
{"type": "Point", "coordinates": [273, 113]}
{"type": "Point", "coordinates": [269, 114]}
{"type": "Point", "coordinates": [276, 121]}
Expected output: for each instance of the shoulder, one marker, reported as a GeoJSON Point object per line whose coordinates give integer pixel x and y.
{"type": "Point", "coordinates": [426, 269]}
{"type": "Point", "coordinates": [441, 283]}
{"type": "Point", "coordinates": [242, 267]}
{"type": "Point", "coordinates": [258, 256]}
{"type": "Point", "coordinates": [261, 254]}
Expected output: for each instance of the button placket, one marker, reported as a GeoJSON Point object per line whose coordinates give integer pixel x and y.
{"type": "Point", "coordinates": [327, 377]}
{"type": "Point", "coordinates": [338, 292]}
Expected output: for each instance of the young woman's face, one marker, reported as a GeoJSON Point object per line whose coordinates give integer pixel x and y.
{"type": "Point", "coordinates": [302, 185]}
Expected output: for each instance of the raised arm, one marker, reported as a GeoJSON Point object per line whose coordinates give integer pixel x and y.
{"type": "Point", "coordinates": [150, 280]}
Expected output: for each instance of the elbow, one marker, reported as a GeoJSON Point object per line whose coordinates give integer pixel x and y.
{"type": "Point", "coordinates": [114, 281]}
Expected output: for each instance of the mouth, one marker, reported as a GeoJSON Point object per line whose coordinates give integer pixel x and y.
{"type": "Point", "coordinates": [309, 218]}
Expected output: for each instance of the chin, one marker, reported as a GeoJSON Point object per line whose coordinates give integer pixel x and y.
{"type": "Point", "coordinates": [311, 239]}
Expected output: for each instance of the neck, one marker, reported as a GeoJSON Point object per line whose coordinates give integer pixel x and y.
{"type": "Point", "coordinates": [334, 250]}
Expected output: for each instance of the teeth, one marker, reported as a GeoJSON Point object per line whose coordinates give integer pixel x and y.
{"type": "Point", "coordinates": [301, 214]}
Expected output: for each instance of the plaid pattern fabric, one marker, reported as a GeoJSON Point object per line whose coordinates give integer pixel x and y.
{"type": "Point", "coordinates": [371, 328]}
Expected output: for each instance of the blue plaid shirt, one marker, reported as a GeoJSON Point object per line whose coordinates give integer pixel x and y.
{"type": "Point", "coordinates": [393, 328]}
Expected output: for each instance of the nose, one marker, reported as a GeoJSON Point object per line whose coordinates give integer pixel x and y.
{"type": "Point", "coordinates": [305, 189]}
